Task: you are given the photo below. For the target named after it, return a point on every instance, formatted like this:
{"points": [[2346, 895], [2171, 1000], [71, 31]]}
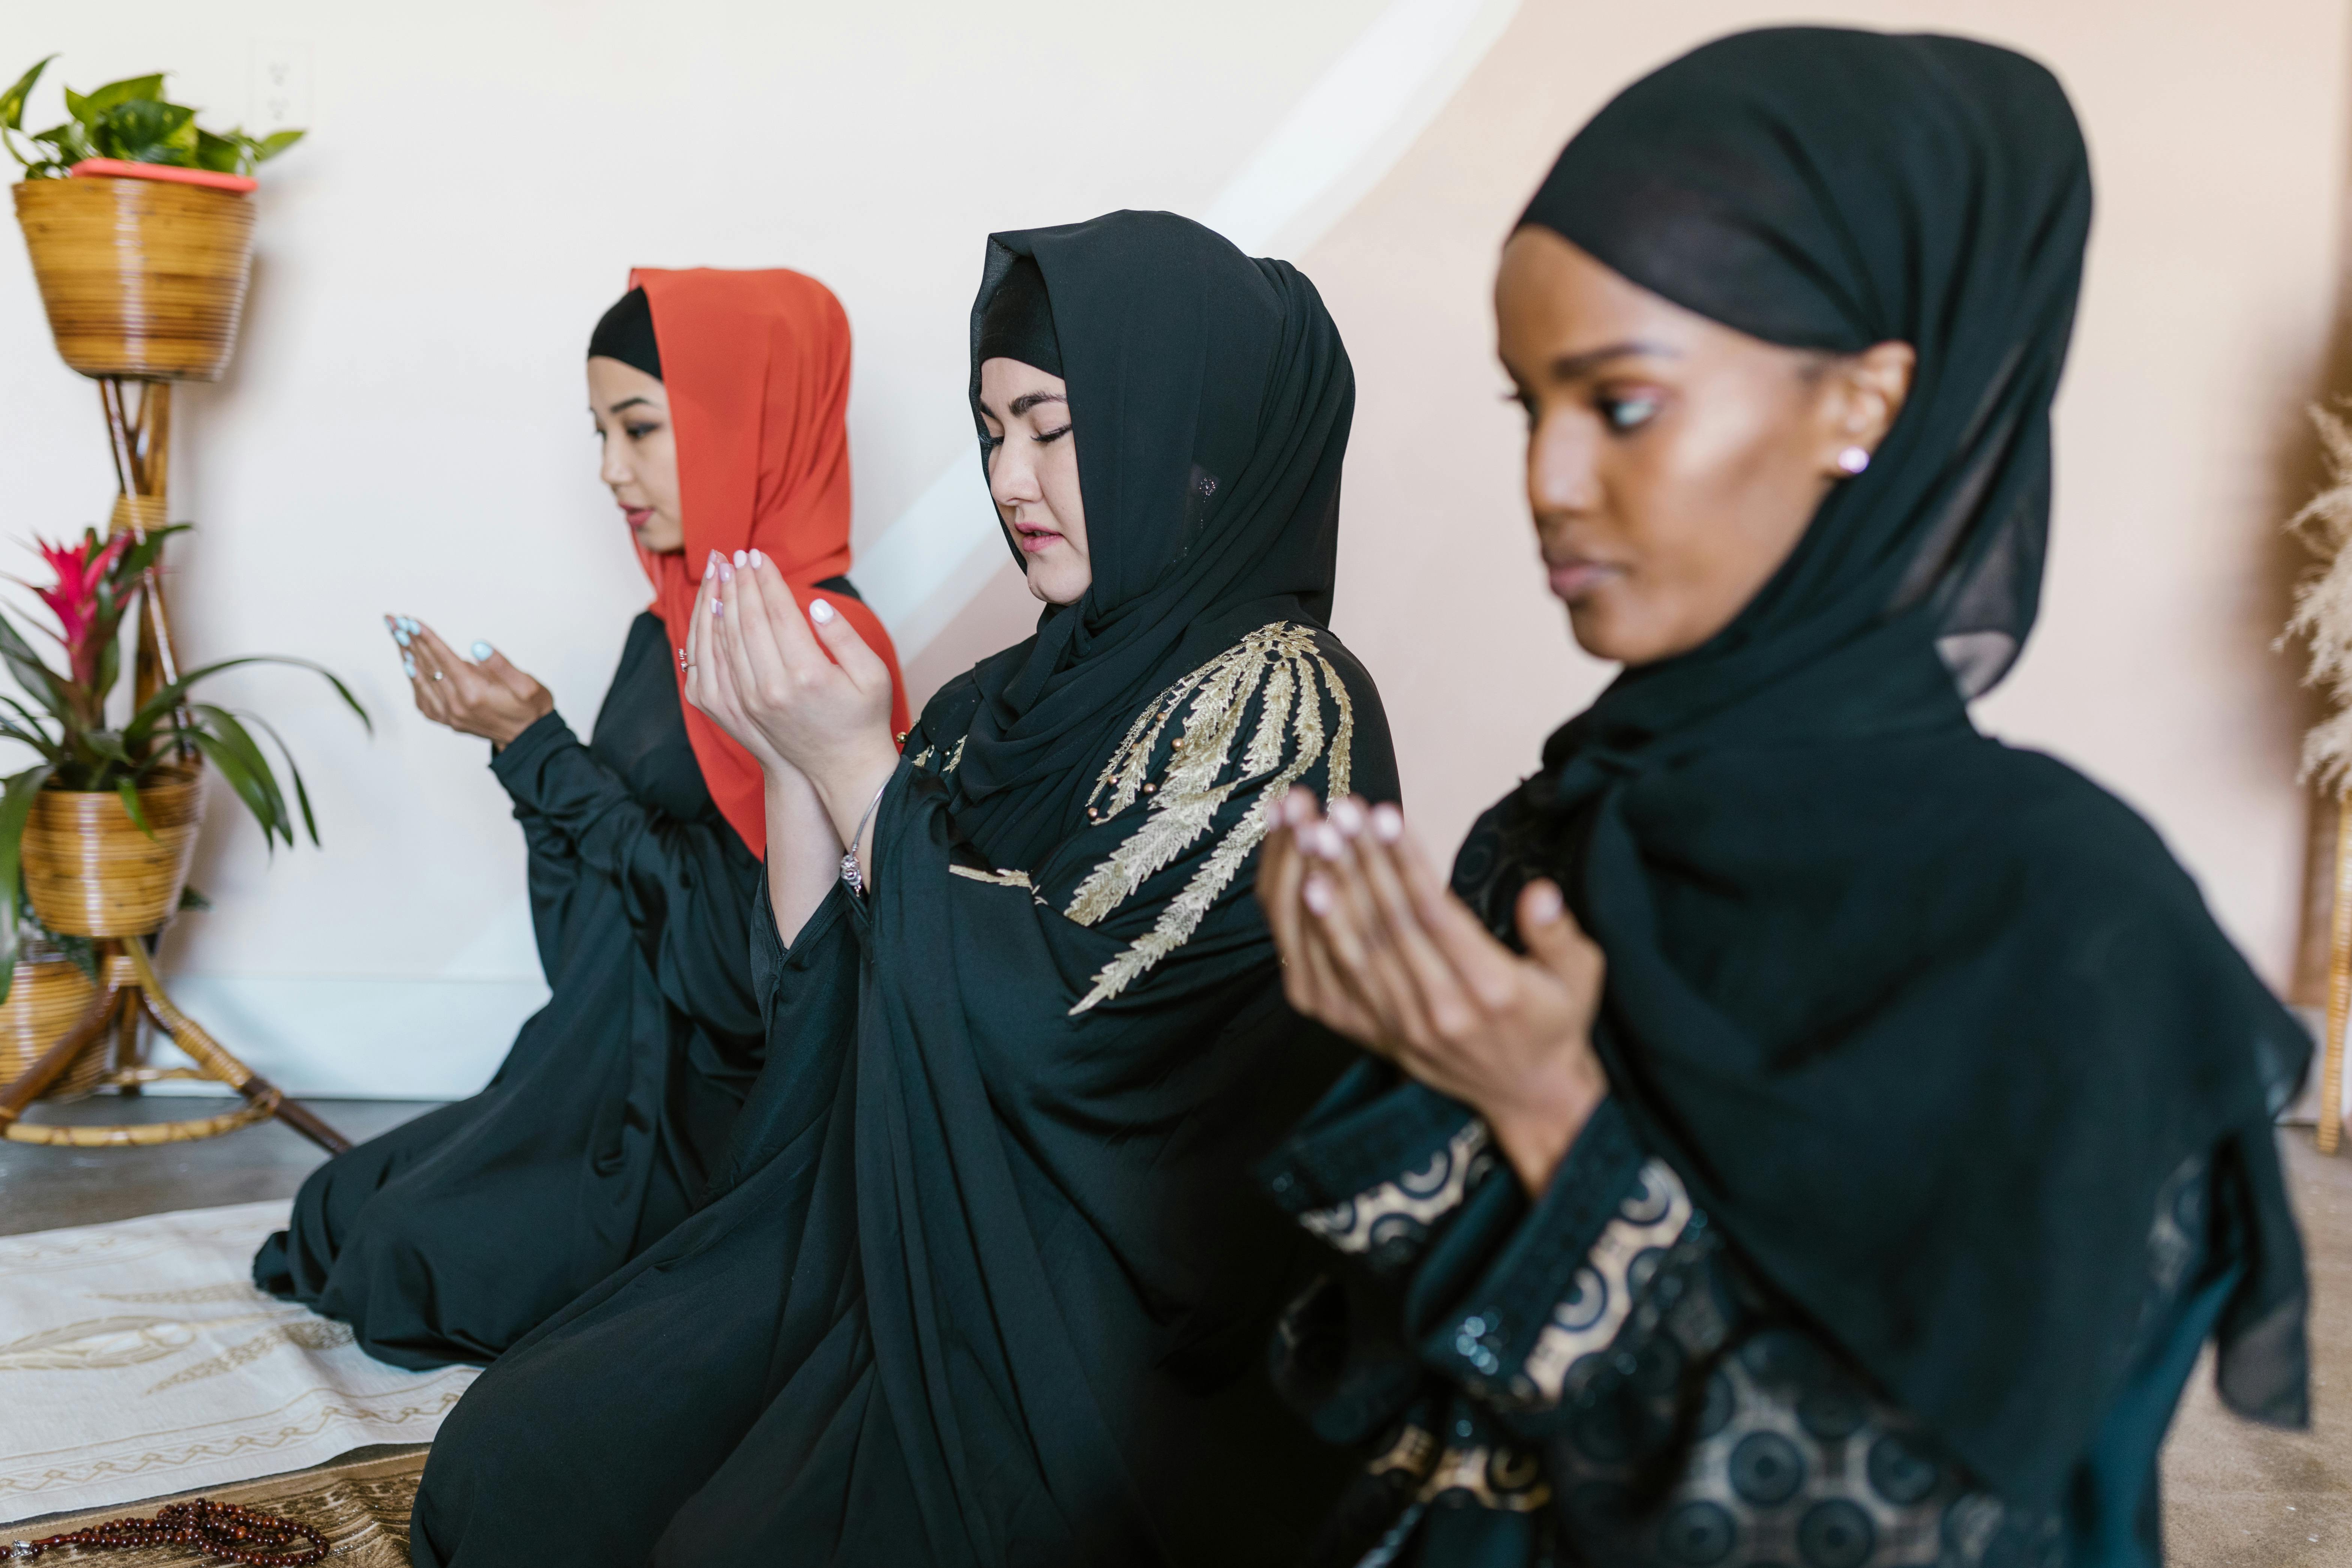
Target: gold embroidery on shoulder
{"points": [[920, 758], [1282, 663], [953, 757], [1000, 879]]}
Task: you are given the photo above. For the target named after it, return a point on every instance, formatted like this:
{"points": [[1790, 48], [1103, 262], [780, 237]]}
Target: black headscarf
{"points": [[1925, 1023], [1018, 322], [1210, 485], [626, 332]]}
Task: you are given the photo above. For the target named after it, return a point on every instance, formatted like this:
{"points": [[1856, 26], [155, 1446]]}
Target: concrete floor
{"points": [[43, 1188], [2236, 1496]]}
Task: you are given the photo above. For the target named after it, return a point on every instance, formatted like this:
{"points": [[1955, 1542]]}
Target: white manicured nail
{"points": [[740, 558], [1317, 894], [820, 612], [755, 558], [1346, 816], [481, 651], [1388, 824]]}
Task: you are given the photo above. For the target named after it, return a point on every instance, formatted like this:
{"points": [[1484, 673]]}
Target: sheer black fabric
{"points": [[448, 1238], [986, 1280], [1923, 1023]]}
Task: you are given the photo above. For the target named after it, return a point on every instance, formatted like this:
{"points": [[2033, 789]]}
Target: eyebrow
{"points": [[1028, 400], [629, 403], [1568, 367]]}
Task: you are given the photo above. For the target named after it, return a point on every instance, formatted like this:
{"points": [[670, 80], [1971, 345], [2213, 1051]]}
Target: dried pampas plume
{"points": [[2323, 606]]}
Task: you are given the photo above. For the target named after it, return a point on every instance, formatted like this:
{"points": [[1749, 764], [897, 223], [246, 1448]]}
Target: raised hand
{"points": [[817, 696], [1375, 946], [484, 696]]}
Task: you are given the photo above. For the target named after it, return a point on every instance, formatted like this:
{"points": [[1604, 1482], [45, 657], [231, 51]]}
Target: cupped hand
{"points": [[1376, 947], [710, 683], [818, 697], [486, 697]]}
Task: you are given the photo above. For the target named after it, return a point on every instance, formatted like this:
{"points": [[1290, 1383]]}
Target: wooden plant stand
{"points": [[131, 993], [131, 988], [143, 281]]}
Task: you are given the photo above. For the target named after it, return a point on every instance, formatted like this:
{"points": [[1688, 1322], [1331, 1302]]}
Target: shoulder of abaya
{"points": [[1207, 758]]}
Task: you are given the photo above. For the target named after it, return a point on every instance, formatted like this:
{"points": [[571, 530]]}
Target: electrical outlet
{"points": [[281, 87]]}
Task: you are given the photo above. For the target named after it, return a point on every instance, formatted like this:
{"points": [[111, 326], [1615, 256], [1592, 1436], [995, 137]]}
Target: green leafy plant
{"points": [[128, 120], [67, 723]]}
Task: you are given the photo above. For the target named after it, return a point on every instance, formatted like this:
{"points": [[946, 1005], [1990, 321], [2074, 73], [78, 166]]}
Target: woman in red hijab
{"points": [[719, 397]]}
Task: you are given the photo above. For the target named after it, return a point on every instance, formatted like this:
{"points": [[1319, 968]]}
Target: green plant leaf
{"points": [[232, 767], [146, 130], [11, 102], [301, 794], [130, 90], [219, 153], [73, 144], [192, 900], [225, 728], [141, 554], [128, 794], [40, 682], [109, 661], [15, 806], [31, 731], [167, 698], [277, 142]]}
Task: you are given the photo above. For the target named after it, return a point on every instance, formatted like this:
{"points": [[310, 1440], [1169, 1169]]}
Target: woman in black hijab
{"points": [[988, 1282], [1876, 1204]]}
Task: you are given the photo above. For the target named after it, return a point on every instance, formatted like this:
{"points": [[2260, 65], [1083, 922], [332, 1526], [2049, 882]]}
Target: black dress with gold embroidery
{"points": [[987, 1281], [990, 1284]]}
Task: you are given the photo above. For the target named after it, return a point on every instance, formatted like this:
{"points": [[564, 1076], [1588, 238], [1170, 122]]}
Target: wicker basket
{"points": [[141, 277], [49, 997], [90, 871]]}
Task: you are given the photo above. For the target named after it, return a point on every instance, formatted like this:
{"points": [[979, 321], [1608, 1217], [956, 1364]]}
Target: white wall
{"points": [[403, 428]]}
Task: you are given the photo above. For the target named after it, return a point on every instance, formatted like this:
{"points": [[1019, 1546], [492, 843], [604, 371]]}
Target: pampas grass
{"points": [[2323, 606]]}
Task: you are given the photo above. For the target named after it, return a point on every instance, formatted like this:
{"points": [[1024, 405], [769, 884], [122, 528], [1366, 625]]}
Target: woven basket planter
{"points": [[48, 997], [90, 871], [140, 277]]}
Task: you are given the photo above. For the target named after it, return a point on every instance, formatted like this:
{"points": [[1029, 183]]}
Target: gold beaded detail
{"points": [[1278, 668]]}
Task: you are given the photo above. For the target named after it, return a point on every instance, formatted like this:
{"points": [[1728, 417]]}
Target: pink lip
{"points": [[1035, 539], [638, 516], [1572, 580]]}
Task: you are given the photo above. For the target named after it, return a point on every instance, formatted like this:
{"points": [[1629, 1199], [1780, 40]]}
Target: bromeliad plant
{"points": [[66, 724], [129, 120]]}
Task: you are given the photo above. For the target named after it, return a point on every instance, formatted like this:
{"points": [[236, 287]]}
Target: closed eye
{"points": [[1051, 436]]}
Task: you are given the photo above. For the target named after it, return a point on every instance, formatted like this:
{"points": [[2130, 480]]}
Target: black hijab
{"points": [[626, 332], [1925, 1023], [1211, 486]]}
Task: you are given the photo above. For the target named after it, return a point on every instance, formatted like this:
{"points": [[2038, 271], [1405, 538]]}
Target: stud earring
{"points": [[1853, 459]]}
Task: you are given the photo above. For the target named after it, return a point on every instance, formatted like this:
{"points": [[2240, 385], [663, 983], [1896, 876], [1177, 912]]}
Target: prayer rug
{"points": [[137, 1359], [359, 1503]]}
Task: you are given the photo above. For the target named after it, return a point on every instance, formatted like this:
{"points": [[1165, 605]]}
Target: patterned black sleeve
{"points": [[1379, 1167]]}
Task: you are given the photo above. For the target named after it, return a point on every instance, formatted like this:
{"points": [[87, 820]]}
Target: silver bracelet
{"points": [[850, 872]]}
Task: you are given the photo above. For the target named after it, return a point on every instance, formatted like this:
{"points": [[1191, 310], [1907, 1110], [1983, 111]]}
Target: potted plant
{"points": [[101, 827], [143, 255]]}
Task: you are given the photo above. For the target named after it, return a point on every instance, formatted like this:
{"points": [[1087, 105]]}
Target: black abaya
{"points": [[449, 1237], [986, 1283], [1939, 1133]]}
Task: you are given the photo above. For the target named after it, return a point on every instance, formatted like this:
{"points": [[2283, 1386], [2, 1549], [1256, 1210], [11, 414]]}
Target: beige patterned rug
{"points": [[360, 1504], [137, 1361]]}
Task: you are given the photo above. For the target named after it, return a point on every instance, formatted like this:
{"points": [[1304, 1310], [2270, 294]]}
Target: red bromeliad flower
{"points": [[85, 610]]}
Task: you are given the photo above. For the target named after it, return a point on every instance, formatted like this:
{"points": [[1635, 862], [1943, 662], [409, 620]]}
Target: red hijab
{"points": [[756, 365]]}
